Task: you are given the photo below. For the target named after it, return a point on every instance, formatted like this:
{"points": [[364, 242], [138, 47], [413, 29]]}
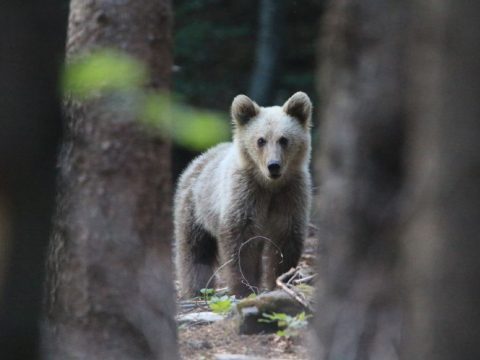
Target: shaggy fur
{"points": [[228, 196]]}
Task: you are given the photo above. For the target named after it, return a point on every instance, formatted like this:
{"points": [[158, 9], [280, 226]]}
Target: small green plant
{"points": [[289, 325], [207, 293], [221, 304]]}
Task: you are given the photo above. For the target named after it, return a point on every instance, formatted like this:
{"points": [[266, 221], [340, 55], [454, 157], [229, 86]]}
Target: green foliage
{"points": [[221, 304], [192, 128], [105, 70], [207, 129], [218, 304], [207, 293], [109, 72], [289, 325]]}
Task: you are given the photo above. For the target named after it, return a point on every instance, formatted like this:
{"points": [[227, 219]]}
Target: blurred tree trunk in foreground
{"points": [[32, 37], [271, 26], [442, 237], [360, 171], [110, 290]]}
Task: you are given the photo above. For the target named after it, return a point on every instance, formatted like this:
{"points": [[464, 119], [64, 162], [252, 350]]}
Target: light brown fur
{"points": [[228, 196]]}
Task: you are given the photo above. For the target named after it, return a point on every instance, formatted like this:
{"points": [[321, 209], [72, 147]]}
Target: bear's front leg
{"points": [[285, 254], [241, 254], [196, 254]]}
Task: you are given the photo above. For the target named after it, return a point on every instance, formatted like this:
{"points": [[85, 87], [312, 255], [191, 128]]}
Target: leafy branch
{"points": [[289, 325]]}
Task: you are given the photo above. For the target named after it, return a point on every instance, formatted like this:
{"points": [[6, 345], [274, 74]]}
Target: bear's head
{"points": [[274, 142]]}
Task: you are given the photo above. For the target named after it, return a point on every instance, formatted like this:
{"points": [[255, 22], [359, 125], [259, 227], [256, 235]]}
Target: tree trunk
{"points": [[359, 166], [32, 35], [268, 51], [110, 292], [442, 237]]}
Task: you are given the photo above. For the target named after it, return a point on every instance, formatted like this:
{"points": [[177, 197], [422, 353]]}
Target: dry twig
{"points": [[304, 280], [291, 291]]}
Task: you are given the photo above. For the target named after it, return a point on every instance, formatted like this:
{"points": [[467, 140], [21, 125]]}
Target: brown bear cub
{"points": [[245, 205]]}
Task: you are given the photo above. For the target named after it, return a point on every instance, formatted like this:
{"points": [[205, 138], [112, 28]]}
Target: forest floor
{"points": [[221, 338]]}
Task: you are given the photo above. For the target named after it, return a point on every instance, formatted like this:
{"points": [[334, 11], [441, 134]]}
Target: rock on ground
{"points": [[199, 318]]}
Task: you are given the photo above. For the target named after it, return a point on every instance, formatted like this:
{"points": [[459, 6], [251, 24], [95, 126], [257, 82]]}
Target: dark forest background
{"points": [[218, 46], [263, 49]]}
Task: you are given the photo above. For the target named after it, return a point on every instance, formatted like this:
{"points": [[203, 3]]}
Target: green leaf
{"points": [[109, 71], [220, 305], [104, 70], [198, 130], [193, 128], [269, 318], [156, 111], [207, 293], [289, 324]]}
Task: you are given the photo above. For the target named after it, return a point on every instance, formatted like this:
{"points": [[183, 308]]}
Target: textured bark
{"points": [[360, 171], [110, 291], [271, 26], [32, 35], [442, 236]]}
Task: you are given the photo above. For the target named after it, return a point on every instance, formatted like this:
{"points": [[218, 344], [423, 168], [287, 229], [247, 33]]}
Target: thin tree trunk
{"points": [[271, 26], [32, 35], [111, 294], [359, 166], [442, 238]]}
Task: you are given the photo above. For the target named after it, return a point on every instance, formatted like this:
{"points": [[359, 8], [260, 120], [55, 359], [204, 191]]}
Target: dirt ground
{"points": [[203, 342]]}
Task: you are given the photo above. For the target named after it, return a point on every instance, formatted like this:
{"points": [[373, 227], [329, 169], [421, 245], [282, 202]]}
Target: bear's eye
{"points": [[261, 142], [283, 141]]}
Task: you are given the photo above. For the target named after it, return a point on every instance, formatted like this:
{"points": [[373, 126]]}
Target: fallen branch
{"points": [[291, 291], [304, 280], [294, 276]]}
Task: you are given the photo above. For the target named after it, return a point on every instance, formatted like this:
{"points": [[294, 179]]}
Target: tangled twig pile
{"points": [[287, 282]]}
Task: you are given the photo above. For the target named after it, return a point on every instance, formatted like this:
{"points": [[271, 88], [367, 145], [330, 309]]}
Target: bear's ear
{"points": [[299, 106], [243, 109]]}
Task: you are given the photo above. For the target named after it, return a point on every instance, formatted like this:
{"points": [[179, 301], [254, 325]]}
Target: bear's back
{"points": [[207, 162], [202, 184]]}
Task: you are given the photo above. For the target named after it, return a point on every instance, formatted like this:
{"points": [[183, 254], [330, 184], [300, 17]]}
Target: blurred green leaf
{"points": [[220, 305], [192, 128], [198, 129], [289, 325], [207, 293], [103, 70], [116, 73], [156, 111]]}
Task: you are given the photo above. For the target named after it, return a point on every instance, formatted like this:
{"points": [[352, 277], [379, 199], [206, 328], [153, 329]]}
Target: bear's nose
{"points": [[274, 168]]}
